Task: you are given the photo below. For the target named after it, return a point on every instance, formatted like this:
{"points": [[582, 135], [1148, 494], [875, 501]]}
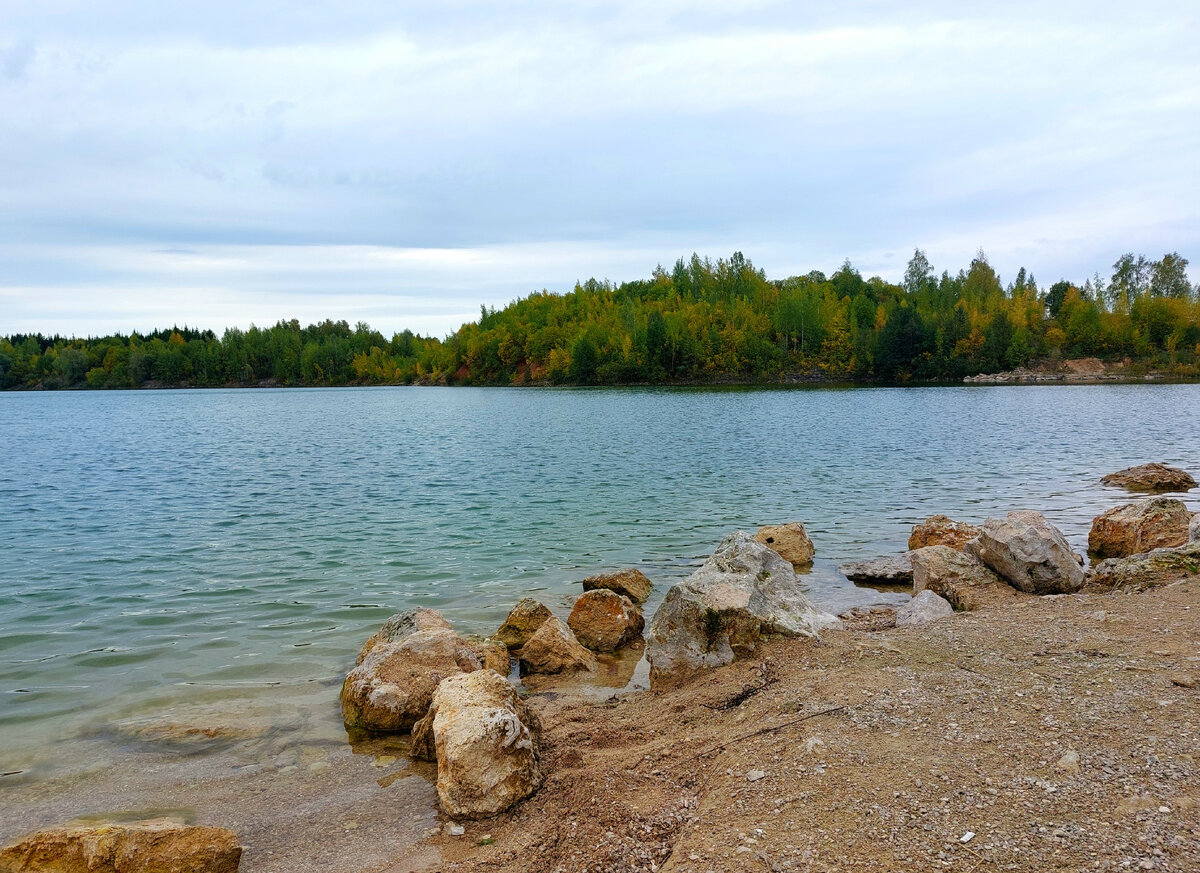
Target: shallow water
{"points": [[175, 555]]}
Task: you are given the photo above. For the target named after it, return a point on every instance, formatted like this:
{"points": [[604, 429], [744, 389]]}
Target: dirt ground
{"points": [[1062, 733]]}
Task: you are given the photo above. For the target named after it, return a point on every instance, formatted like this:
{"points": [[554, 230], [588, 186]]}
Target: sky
{"points": [[222, 164]]}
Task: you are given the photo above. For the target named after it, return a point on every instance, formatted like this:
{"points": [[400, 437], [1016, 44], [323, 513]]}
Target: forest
{"points": [[700, 321]]}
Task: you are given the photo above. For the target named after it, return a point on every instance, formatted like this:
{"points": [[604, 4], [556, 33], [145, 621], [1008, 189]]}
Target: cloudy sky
{"points": [[224, 163]]}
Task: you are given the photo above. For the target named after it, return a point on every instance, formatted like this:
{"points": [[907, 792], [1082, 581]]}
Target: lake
{"points": [[185, 553]]}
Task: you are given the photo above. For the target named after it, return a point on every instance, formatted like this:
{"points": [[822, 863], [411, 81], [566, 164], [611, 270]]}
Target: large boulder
{"points": [[1028, 552], [522, 623], [892, 570], [155, 846], [924, 607], [1160, 522], [404, 624], [604, 620], [392, 687], [941, 530], [1151, 477], [959, 577], [486, 744], [1194, 529], [790, 541], [1148, 570], [631, 583], [554, 649], [742, 593]]}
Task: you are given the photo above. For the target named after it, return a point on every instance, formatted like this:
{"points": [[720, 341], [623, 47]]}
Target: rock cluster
{"points": [[1151, 477], [1160, 522], [744, 592], [155, 846]]}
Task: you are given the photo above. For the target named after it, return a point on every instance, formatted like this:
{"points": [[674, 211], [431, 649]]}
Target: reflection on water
{"points": [[172, 555]]}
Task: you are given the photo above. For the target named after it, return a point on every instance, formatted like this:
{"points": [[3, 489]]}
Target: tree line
{"points": [[701, 320]]}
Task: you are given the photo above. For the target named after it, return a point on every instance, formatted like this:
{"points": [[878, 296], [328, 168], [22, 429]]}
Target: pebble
{"points": [[320, 766], [385, 760], [1068, 763], [454, 829], [755, 775]]}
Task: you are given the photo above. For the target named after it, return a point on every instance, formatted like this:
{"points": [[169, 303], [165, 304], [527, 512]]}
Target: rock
{"points": [[941, 530], [155, 846], [522, 623], [632, 583], [423, 746], [1029, 552], [493, 654], [925, 606], [1151, 477], [1068, 763], [1145, 571], [394, 684], [959, 577], [604, 620], [790, 541], [894, 570], [1160, 522], [741, 593], [486, 742], [1194, 529], [554, 649], [869, 618], [1184, 680], [404, 624], [755, 775]]}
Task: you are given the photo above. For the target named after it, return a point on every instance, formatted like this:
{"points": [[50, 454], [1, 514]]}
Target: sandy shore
{"points": [[1063, 733]]}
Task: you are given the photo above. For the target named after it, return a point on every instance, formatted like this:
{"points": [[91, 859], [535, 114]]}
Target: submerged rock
{"points": [[554, 649], [892, 570], [1151, 477], [941, 530], [1028, 552], [790, 541], [522, 623], [486, 744], [1160, 522], [742, 593], [631, 583], [155, 846], [924, 607], [604, 620], [1145, 571], [960, 578], [392, 687]]}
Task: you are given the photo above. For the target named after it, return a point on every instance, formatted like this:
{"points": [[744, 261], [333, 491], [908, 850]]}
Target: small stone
{"points": [[1184, 680], [385, 760], [755, 775], [454, 829], [1068, 763], [320, 766]]}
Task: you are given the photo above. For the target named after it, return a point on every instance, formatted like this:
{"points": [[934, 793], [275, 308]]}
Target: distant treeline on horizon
{"points": [[700, 321]]}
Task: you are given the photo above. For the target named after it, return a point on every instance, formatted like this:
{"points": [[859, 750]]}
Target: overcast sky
{"points": [[223, 163]]}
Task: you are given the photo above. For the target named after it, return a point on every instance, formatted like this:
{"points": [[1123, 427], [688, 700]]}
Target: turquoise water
{"points": [[217, 550]]}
